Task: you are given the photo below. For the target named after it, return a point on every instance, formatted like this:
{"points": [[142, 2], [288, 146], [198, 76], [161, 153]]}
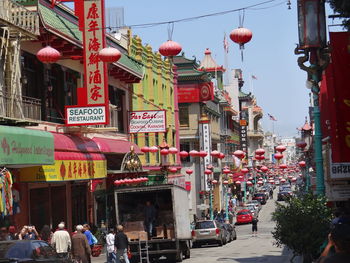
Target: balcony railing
{"points": [[14, 14], [19, 107], [255, 133]]}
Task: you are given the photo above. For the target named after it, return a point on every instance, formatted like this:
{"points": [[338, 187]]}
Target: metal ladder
{"points": [[143, 251]]}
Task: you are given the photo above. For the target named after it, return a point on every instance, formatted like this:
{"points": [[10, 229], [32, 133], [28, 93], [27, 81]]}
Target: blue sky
{"points": [[280, 88]]}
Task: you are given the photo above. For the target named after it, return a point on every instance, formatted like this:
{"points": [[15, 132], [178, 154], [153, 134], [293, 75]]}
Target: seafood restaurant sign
{"points": [[147, 121]]}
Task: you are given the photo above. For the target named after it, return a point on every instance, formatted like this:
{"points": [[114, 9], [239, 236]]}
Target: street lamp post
{"points": [[313, 47]]}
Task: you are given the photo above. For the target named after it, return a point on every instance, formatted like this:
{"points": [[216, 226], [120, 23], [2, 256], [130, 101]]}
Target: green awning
{"points": [[25, 147]]}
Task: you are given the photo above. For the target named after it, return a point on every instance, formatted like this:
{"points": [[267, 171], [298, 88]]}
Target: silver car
{"points": [[208, 232], [256, 204]]}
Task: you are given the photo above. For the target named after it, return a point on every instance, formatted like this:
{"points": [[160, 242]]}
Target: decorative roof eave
{"points": [[217, 69]]}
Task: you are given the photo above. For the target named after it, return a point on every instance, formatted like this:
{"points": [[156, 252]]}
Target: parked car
{"points": [[231, 231], [277, 182], [29, 251], [253, 210], [244, 216], [282, 196], [261, 197], [256, 203], [208, 232]]}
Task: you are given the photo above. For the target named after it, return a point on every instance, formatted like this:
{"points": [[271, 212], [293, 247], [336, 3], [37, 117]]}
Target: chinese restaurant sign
{"points": [[95, 77], [21, 146], [196, 92], [147, 121], [65, 170], [85, 115]]}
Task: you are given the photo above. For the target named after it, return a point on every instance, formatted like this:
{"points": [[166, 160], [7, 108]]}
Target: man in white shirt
{"points": [[61, 241], [111, 256]]}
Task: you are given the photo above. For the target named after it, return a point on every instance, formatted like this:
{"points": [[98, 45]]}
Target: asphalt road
{"points": [[246, 248]]}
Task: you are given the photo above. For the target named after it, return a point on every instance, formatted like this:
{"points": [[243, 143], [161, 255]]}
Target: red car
{"points": [[244, 216]]}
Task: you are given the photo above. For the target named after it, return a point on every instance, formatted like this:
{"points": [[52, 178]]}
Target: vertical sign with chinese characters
{"points": [[205, 145], [243, 135], [95, 76]]}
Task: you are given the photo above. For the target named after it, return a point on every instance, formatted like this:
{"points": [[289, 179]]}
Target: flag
{"points": [[271, 117], [225, 44], [254, 77]]}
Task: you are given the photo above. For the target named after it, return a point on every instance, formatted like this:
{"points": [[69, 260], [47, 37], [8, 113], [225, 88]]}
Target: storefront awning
{"points": [[115, 146], [73, 143], [25, 147]]}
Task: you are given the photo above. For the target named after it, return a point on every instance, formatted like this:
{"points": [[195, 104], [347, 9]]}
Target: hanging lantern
{"points": [[202, 154], [238, 182], [239, 154], [260, 152], [221, 156], [245, 170], [170, 48], [278, 156], [214, 181], [249, 183], [153, 149], [281, 148], [264, 169], [230, 175], [283, 180], [241, 36], [260, 182], [117, 182], [207, 171], [250, 178], [210, 166], [173, 150], [302, 164], [194, 153], [294, 179], [260, 157], [215, 153], [301, 144], [109, 55], [164, 152], [225, 182], [240, 177], [226, 171], [48, 55], [145, 149], [189, 171], [283, 166], [271, 181], [173, 169], [183, 154]]}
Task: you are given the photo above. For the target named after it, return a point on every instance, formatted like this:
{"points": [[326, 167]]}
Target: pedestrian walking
{"points": [[271, 193], [89, 237], [121, 243], [46, 234], [255, 226], [110, 239], [61, 241], [81, 250]]}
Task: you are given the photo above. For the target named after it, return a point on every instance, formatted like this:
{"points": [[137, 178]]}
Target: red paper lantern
{"points": [[202, 154], [189, 171], [293, 179], [214, 182], [260, 152], [164, 152], [221, 156], [240, 177], [183, 154], [145, 149], [225, 182], [170, 48], [260, 182], [109, 55], [173, 169], [241, 36], [173, 150], [153, 149], [238, 182], [302, 163], [226, 171], [210, 166], [249, 183], [215, 153], [283, 166], [194, 153], [239, 154], [301, 144], [283, 180], [260, 157], [245, 170], [207, 171], [48, 55], [281, 148], [278, 156], [264, 169]]}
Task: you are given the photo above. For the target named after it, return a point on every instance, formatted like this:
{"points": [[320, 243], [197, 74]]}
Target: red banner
{"points": [[196, 92], [335, 98]]}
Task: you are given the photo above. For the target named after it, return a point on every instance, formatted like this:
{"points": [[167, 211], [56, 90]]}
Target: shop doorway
{"points": [[79, 205]]}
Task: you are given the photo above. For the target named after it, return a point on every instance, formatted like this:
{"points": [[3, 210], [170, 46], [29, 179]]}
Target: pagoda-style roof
{"points": [[244, 96], [187, 70], [306, 126], [209, 64]]}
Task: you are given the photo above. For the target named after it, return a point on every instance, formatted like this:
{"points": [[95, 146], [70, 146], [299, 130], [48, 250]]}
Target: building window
{"points": [[184, 116]]}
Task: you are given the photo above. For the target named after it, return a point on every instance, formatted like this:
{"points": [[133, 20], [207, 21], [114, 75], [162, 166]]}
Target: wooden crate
{"points": [[170, 233], [136, 235], [160, 232], [134, 226]]}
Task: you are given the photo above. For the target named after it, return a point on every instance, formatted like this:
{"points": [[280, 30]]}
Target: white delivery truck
{"points": [[171, 238]]}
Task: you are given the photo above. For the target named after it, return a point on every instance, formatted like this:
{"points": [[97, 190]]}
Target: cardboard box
{"points": [[160, 231], [137, 235], [134, 226], [170, 233]]}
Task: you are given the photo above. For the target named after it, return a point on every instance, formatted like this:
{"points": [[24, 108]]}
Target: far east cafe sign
{"points": [[93, 102]]}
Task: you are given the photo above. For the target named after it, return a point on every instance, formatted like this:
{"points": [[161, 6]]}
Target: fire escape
{"points": [[16, 24]]}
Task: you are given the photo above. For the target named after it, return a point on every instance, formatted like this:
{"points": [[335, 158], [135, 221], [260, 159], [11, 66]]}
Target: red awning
{"points": [[115, 146], [79, 156], [73, 143]]}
